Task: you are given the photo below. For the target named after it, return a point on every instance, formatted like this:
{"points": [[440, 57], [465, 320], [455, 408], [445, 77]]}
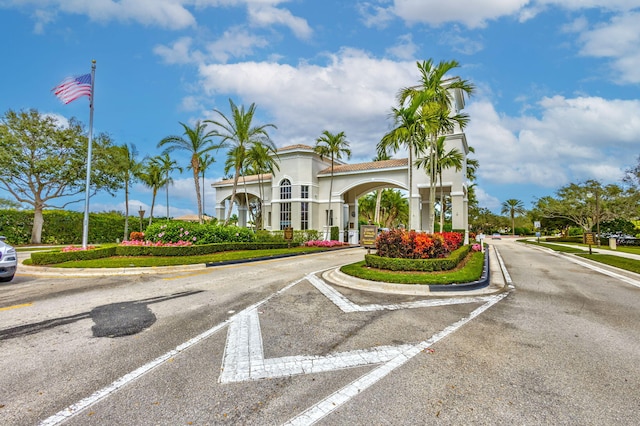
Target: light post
{"points": [[141, 213]]}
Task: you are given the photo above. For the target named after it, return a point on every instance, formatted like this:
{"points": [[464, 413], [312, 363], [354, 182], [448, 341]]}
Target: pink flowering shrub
{"points": [[476, 247], [320, 243], [76, 248], [138, 243]]}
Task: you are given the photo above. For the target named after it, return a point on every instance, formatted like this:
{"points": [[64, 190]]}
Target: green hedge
{"points": [[422, 265], [65, 227], [564, 239], [53, 257]]}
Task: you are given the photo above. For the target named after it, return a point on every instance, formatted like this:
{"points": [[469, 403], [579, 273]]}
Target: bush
{"points": [[400, 243], [422, 265], [58, 256], [174, 231], [335, 233]]}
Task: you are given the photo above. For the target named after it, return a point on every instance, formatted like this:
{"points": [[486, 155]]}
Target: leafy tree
{"points": [[261, 159], [8, 204], [432, 100], [445, 160], [381, 156], [333, 146], [153, 176], [129, 169], [394, 208], [238, 133], [632, 176], [43, 160], [589, 203], [167, 165], [512, 207], [205, 162], [196, 141]]}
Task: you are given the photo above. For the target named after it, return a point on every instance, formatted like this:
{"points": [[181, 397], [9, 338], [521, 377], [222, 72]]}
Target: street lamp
{"points": [[141, 213]]}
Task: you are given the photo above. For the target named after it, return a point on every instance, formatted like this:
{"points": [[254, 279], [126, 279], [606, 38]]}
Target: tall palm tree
{"points": [[381, 156], [205, 162], [333, 146], [130, 169], [513, 207], [153, 177], [167, 165], [434, 94], [395, 208], [446, 160], [239, 133], [407, 133], [261, 159], [196, 141]]}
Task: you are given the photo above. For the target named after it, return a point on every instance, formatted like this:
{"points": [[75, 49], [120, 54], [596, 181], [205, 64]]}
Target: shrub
{"points": [[421, 265], [403, 244], [335, 233], [136, 236]]}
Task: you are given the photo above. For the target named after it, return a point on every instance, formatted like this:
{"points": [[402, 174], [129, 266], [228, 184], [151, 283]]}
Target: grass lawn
{"points": [[608, 259], [470, 271], [150, 261]]}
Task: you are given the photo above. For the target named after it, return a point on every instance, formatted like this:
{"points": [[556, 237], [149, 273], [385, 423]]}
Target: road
{"points": [[271, 343]]}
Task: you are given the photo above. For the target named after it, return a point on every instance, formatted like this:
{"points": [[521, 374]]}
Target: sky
{"points": [[557, 81]]}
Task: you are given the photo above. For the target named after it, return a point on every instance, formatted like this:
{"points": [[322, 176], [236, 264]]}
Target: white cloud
{"points": [[472, 14], [267, 15], [572, 140], [235, 43], [352, 92], [618, 40], [405, 49]]}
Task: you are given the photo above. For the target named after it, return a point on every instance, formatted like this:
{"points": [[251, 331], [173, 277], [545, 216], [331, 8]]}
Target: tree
{"points": [[445, 160], [44, 160], [333, 146], [512, 207], [167, 165], [238, 133], [589, 203], [196, 141], [394, 208], [205, 162], [261, 159], [8, 204], [409, 133], [432, 101], [381, 156], [153, 176], [129, 169]]}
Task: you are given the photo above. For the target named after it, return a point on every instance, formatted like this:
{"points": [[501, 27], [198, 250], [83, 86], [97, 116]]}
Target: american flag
{"points": [[72, 88]]}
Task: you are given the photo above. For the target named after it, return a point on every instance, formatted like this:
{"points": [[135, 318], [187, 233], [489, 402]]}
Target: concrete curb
{"points": [[488, 283]]}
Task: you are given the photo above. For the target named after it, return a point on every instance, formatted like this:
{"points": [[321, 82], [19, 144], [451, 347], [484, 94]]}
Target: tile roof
{"points": [[294, 147], [248, 179], [372, 165]]}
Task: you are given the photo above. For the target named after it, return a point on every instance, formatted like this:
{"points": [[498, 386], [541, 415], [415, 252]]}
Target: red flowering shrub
{"points": [[399, 243]]}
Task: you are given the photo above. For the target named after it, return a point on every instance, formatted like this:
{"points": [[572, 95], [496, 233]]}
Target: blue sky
{"points": [[557, 97]]}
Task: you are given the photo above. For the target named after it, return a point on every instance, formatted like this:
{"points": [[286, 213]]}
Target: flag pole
{"points": [[85, 224]]}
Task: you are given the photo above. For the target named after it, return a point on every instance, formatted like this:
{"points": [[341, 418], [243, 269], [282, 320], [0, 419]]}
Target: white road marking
{"points": [[74, 409], [612, 274], [338, 398]]}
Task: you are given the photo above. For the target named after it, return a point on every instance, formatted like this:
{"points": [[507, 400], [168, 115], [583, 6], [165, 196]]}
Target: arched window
{"points": [[285, 207]]}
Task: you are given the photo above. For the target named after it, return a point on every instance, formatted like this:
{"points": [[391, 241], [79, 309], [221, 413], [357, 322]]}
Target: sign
{"points": [[536, 224], [368, 235], [590, 238], [288, 233]]}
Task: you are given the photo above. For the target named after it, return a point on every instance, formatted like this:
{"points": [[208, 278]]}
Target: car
{"points": [[8, 261], [496, 236]]}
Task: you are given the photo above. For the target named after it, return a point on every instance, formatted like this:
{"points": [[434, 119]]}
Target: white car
{"points": [[8, 261]]}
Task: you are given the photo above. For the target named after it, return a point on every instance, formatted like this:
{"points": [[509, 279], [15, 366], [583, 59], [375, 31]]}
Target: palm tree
{"points": [[434, 95], [381, 156], [239, 134], [261, 159], [129, 169], [205, 162], [153, 177], [513, 207], [408, 133], [196, 141], [446, 160], [395, 208], [333, 146], [167, 165]]}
